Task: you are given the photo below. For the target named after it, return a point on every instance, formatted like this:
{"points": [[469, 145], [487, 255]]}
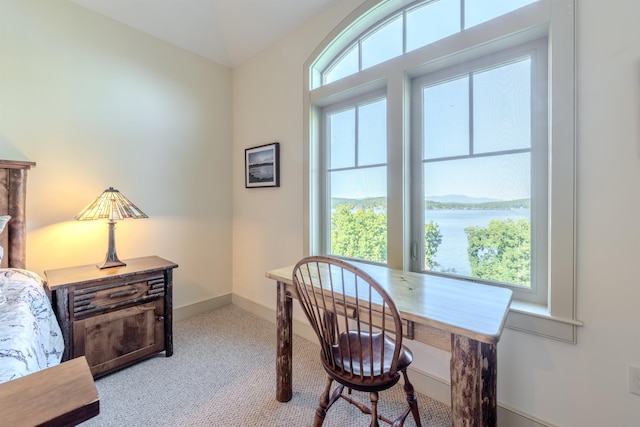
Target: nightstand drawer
{"points": [[107, 296], [119, 337]]}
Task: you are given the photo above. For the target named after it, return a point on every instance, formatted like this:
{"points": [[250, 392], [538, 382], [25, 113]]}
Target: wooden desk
{"points": [[458, 316], [63, 395]]}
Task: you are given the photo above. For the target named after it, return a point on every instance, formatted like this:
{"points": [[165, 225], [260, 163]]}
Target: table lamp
{"points": [[111, 204]]}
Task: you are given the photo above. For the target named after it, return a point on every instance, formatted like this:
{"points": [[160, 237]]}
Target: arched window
{"points": [[410, 28], [441, 140]]}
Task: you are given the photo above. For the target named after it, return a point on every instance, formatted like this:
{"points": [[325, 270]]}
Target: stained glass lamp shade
{"points": [[111, 205]]}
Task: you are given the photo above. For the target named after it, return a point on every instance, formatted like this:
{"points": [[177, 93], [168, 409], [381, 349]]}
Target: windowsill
{"points": [[536, 319]]}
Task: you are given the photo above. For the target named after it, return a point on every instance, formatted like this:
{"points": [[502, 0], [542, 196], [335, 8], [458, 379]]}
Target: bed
{"points": [[30, 337]]}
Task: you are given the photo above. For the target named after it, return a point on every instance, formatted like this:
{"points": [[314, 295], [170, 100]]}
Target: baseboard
{"points": [[201, 307], [299, 328], [440, 390], [425, 383], [434, 387], [512, 417]]}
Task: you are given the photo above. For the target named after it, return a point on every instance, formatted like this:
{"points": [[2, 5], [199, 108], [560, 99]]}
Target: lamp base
{"points": [[111, 260], [108, 263]]}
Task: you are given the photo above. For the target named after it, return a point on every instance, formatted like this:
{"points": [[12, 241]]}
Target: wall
{"points": [[553, 382], [267, 107], [96, 104]]}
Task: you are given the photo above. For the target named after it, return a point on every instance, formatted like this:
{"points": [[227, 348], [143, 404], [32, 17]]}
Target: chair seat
{"points": [[354, 359]]}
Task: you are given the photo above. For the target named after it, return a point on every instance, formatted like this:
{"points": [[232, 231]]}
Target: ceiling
{"points": [[226, 31]]}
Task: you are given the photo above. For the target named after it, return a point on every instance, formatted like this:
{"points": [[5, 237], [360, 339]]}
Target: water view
{"points": [[452, 252], [261, 173]]}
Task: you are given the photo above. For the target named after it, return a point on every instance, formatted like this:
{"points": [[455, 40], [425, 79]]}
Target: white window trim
{"points": [[555, 320], [538, 292], [325, 228]]}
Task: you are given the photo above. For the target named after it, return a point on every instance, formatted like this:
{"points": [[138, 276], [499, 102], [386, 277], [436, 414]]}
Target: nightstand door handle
{"points": [[159, 318], [122, 294]]}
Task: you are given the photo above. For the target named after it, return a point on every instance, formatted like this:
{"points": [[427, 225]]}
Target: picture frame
{"points": [[262, 166]]}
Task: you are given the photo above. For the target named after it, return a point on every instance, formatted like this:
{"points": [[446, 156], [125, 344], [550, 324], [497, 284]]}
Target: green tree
{"points": [[501, 251], [432, 239], [359, 233]]}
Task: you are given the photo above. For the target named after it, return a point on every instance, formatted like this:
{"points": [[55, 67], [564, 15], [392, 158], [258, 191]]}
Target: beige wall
{"points": [[96, 104], [562, 384]]}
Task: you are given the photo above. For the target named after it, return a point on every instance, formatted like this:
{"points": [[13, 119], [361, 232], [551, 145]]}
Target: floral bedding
{"points": [[30, 337]]}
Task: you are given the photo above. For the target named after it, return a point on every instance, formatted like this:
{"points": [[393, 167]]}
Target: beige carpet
{"points": [[222, 373]]}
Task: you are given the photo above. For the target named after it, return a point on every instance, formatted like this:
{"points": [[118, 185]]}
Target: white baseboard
{"points": [[201, 307], [432, 386], [509, 416]]}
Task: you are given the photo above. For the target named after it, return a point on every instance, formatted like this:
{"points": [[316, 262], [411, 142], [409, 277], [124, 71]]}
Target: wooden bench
{"points": [[63, 395]]}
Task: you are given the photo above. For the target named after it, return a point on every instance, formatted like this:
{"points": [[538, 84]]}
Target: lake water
{"points": [[261, 173], [452, 252]]}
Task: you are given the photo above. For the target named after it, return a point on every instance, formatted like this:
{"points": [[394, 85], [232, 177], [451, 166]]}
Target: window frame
{"points": [[324, 149], [537, 50], [552, 18]]}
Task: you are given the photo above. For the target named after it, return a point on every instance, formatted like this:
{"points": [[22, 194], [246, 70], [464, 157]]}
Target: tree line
{"points": [[500, 251], [498, 205]]}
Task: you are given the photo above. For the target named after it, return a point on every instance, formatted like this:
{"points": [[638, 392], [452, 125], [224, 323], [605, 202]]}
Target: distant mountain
{"points": [[451, 202], [458, 198]]}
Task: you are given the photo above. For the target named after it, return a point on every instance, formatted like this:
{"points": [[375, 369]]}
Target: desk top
{"points": [[455, 306]]}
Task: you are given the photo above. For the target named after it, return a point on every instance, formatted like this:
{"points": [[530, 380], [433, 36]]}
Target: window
{"points": [[448, 148], [411, 28], [356, 179], [479, 147]]}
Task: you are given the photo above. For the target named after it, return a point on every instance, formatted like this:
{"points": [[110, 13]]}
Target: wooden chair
{"points": [[360, 334]]}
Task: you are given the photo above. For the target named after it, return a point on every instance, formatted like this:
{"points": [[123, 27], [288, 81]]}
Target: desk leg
{"points": [[283, 360], [473, 383]]}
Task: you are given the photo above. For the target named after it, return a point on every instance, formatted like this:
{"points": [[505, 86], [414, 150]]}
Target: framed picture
{"points": [[262, 166]]}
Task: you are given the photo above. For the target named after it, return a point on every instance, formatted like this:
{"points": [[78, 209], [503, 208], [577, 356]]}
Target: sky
{"points": [[262, 156], [501, 116]]}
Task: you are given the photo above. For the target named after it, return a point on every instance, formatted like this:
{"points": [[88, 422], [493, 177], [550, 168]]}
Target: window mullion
{"points": [[356, 136], [478, 155], [470, 107], [404, 32]]}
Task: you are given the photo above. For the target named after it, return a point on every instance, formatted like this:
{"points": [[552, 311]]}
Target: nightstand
{"points": [[114, 316]]}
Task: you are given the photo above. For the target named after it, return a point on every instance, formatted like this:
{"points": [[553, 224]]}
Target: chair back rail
{"points": [[342, 301]]}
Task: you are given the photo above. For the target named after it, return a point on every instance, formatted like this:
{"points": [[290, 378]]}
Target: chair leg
{"points": [[374, 409], [411, 398], [321, 412]]}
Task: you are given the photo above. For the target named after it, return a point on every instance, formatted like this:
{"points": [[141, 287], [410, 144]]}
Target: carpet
{"points": [[222, 373]]}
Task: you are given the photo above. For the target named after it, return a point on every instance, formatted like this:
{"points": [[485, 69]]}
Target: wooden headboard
{"points": [[13, 196]]}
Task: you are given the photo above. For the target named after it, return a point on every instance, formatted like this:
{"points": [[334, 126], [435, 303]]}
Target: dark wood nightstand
{"points": [[114, 316]]}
